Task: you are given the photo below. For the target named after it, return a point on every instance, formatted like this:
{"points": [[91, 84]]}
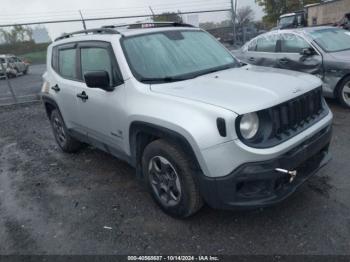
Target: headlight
{"points": [[249, 125]]}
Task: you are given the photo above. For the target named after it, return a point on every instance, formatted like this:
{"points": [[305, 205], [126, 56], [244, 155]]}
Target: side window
{"points": [[252, 46], [291, 43], [96, 59], [266, 43], [54, 59], [67, 63]]}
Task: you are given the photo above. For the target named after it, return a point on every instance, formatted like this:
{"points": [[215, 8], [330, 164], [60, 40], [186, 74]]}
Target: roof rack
{"points": [[89, 31], [149, 25]]}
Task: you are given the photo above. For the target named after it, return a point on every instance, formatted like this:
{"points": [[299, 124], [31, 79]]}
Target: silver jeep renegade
{"points": [[197, 126]]}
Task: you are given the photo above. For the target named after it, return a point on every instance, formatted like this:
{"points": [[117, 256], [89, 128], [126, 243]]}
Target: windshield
{"points": [[175, 55], [287, 20], [332, 39]]}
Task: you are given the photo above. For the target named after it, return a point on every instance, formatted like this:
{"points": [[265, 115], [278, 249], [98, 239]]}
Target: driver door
{"points": [[101, 112], [290, 55]]}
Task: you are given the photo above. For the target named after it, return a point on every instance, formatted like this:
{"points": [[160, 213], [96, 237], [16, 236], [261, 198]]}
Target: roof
{"points": [[309, 29], [129, 29], [6, 55], [302, 29], [132, 32]]}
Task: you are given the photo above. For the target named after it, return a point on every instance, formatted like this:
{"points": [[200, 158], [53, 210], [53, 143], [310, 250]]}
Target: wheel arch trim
{"points": [[48, 100], [177, 135]]}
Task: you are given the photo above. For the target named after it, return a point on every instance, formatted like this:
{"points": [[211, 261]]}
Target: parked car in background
{"points": [[13, 66], [321, 51]]}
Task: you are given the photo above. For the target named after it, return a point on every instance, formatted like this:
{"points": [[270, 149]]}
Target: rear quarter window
{"points": [[267, 43]]}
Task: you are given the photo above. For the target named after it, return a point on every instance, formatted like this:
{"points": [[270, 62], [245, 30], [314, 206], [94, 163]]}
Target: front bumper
{"points": [[257, 184]]}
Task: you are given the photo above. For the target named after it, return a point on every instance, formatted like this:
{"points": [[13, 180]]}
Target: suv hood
{"points": [[242, 90]]}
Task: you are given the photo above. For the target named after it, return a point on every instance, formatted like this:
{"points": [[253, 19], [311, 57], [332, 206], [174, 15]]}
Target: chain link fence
{"points": [[23, 46]]}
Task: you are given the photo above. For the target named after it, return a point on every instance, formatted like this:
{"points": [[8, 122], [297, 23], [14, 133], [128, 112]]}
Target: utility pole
{"points": [[153, 15], [233, 9], [82, 19]]}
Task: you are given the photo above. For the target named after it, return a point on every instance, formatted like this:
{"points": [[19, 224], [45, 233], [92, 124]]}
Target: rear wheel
{"points": [[170, 177], [344, 92], [15, 73], [66, 142]]}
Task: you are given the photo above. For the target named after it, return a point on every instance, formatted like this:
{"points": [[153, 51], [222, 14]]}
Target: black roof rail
{"points": [[149, 25], [89, 31]]}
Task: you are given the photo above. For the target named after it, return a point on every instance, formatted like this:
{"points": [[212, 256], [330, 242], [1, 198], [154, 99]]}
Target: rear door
{"points": [[261, 51], [290, 55], [64, 82]]}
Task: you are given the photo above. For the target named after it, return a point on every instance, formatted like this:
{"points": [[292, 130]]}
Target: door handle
{"points": [[284, 61], [56, 88], [83, 96]]}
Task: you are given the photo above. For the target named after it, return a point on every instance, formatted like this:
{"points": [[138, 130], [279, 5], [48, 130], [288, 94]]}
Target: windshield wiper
{"points": [[166, 79], [213, 70], [169, 79]]}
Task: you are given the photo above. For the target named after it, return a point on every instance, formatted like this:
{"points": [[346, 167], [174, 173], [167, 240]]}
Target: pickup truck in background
{"points": [[335, 13]]}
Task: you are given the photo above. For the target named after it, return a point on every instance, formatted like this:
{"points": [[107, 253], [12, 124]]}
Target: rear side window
{"points": [[291, 43], [252, 46], [67, 63], [96, 59], [266, 44]]}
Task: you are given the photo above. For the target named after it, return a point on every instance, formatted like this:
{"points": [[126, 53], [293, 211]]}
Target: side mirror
{"points": [[308, 52], [98, 79]]}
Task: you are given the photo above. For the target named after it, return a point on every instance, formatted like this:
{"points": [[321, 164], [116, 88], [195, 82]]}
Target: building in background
{"points": [[324, 13]]}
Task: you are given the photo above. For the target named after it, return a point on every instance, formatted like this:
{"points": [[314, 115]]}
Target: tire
{"points": [[343, 92], [15, 73], [169, 174], [26, 71], [66, 142]]}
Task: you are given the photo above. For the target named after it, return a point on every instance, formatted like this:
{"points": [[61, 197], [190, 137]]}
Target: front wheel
{"points": [[344, 92], [170, 176]]}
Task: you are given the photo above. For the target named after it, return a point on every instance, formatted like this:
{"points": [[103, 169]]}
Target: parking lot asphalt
{"points": [[25, 87], [91, 203]]}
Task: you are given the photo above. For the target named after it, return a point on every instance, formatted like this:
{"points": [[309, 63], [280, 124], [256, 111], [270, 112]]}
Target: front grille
{"points": [[289, 117], [283, 121]]}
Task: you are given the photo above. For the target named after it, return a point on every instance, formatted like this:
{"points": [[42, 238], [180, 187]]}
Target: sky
{"points": [[20, 11]]}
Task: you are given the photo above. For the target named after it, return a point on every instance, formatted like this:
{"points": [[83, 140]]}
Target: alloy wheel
{"points": [[165, 181], [59, 131], [346, 93]]}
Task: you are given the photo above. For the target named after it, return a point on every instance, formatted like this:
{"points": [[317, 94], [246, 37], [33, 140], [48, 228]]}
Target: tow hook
{"points": [[292, 174]]}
